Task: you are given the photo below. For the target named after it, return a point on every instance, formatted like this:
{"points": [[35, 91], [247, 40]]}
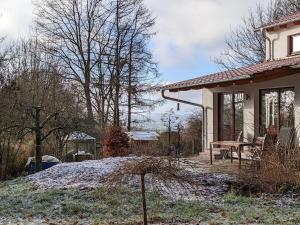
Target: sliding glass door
{"points": [[231, 107], [276, 110]]}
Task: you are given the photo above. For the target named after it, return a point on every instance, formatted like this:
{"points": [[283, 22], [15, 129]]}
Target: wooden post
{"points": [[144, 198], [77, 149], [231, 158], [193, 147], [38, 140], [210, 150], [66, 151], [240, 156]]}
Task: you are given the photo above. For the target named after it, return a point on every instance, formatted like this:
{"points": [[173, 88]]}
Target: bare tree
{"points": [[166, 171], [286, 7], [170, 121], [40, 101], [246, 46], [71, 28], [102, 46], [141, 69]]}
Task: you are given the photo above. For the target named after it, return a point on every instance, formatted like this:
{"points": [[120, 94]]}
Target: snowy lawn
{"points": [[73, 194], [90, 174]]}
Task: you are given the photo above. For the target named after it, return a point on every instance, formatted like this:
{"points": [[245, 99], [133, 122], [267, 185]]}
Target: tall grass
{"points": [[277, 170]]}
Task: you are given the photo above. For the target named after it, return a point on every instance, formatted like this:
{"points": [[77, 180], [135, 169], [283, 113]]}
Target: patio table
{"points": [[230, 144]]}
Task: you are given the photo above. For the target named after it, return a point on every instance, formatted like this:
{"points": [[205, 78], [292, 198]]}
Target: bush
{"points": [[116, 143], [276, 172]]}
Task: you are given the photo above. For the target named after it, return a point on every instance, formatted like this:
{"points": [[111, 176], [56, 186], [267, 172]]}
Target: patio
{"points": [[219, 166]]}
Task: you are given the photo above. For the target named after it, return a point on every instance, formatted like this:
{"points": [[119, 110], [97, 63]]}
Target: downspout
{"points": [[270, 44], [273, 41], [193, 104]]}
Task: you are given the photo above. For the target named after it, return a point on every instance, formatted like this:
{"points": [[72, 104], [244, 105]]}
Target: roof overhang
{"points": [[241, 80], [280, 26], [207, 84], [283, 22]]}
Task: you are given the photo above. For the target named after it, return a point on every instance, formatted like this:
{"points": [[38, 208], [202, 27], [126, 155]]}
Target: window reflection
{"points": [[231, 115], [277, 110]]}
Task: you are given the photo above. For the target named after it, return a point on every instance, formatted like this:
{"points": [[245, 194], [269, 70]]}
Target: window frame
{"points": [[233, 113], [279, 91], [291, 45]]}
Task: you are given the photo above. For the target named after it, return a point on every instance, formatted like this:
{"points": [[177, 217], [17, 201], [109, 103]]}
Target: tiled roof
{"points": [[283, 20], [236, 74]]}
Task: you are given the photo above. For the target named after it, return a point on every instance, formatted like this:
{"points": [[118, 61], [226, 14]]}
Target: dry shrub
{"points": [[147, 149], [116, 143], [276, 172], [165, 172]]}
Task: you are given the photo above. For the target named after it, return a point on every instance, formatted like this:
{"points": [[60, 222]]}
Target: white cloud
{"points": [[187, 26], [184, 26], [15, 18]]}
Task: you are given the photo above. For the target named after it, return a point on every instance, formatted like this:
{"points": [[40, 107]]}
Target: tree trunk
{"points": [[169, 136], [118, 71], [87, 94], [129, 88], [116, 101], [7, 158], [2, 158], [144, 199], [38, 141], [129, 112], [38, 153]]}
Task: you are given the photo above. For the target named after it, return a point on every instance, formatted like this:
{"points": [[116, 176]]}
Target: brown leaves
{"points": [[162, 171]]}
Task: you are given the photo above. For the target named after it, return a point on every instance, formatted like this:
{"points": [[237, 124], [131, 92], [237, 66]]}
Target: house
{"points": [[256, 99]]}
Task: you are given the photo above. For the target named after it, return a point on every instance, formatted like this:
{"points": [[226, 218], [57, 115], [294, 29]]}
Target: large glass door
{"points": [[276, 110], [231, 119]]}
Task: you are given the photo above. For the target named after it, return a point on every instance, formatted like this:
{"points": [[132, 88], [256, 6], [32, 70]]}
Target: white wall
{"points": [[208, 103], [280, 38], [251, 107]]}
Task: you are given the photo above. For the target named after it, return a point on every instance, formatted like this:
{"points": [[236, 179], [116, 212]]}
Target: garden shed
{"points": [[80, 146]]}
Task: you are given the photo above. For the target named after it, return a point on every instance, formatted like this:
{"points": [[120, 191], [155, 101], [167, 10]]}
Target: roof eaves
{"points": [[180, 86], [279, 23]]}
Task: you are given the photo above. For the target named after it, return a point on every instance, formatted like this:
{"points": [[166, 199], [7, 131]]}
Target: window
{"points": [[294, 44], [277, 110], [231, 118]]}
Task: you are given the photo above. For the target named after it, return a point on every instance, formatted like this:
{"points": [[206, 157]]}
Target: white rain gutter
{"points": [[193, 104]]}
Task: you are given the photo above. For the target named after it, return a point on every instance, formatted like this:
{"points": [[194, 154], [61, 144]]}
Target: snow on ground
{"points": [[85, 174], [88, 174]]}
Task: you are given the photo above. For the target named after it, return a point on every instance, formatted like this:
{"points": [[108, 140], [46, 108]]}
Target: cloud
{"points": [[15, 18], [186, 27], [189, 33]]}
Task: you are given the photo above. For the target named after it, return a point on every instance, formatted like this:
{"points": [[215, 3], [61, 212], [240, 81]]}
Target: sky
{"points": [[190, 34]]}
